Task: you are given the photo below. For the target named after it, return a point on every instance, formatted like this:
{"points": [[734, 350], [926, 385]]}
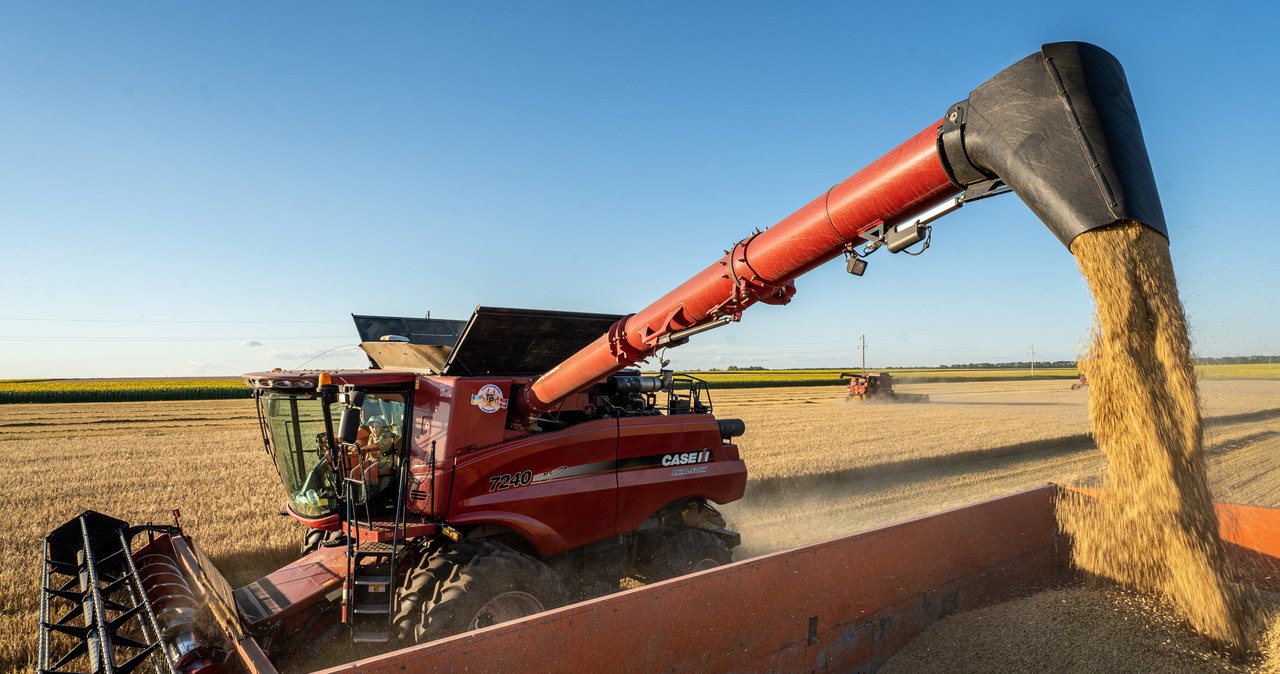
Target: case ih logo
{"points": [[686, 458], [489, 399]]}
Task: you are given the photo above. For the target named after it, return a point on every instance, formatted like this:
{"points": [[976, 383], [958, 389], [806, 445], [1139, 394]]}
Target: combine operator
{"points": [[377, 442]]}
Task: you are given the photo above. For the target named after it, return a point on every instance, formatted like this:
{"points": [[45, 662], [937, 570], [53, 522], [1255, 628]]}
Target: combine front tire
{"points": [[474, 584], [314, 538]]}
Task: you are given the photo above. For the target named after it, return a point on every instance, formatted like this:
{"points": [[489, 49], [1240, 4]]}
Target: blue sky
{"points": [[213, 188]]}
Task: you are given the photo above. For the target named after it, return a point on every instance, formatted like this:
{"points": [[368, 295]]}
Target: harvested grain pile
{"points": [[1155, 530], [1073, 630]]}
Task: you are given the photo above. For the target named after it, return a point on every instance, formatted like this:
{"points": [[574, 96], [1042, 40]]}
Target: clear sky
{"points": [[213, 188]]}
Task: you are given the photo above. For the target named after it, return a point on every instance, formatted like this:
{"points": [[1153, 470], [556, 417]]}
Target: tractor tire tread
{"points": [[463, 572], [685, 551]]}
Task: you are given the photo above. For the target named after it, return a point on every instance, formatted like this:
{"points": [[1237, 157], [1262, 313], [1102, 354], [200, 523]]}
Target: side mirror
{"points": [[349, 425]]}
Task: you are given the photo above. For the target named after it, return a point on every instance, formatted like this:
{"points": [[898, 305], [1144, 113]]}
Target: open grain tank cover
{"points": [[522, 342], [495, 342], [430, 341]]}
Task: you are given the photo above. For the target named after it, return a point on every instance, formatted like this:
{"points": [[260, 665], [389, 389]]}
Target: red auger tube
{"points": [[902, 183]]}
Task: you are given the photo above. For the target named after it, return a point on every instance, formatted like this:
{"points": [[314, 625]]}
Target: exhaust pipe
{"points": [[1060, 129]]}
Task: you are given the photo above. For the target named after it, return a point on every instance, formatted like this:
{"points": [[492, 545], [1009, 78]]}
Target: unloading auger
{"points": [[1058, 128]]}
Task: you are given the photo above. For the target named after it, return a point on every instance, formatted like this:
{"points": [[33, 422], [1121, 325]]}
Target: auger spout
{"points": [[1059, 128]]}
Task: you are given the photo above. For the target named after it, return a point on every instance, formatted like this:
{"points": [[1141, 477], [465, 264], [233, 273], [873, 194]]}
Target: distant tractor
{"points": [[1081, 383], [878, 386]]}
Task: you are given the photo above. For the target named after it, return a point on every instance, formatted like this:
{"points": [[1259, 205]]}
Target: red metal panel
{"points": [[646, 485], [290, 594], [865, 595], [433, 403], [1252, 535], [544, 483], [213, 588], [1254, 527], [478, 415]]}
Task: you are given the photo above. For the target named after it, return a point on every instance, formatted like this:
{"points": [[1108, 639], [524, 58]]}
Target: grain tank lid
{"points": [[424, 331], [431, 341], [522, 342]]}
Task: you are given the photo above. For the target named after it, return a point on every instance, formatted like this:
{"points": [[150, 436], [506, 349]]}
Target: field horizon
{"points": [[123, 389]]}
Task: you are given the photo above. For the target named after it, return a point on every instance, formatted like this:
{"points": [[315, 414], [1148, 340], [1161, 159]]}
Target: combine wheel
{"points": [[699, 515], [685, 551], [421, 585], [314, 538], [474, 584]]}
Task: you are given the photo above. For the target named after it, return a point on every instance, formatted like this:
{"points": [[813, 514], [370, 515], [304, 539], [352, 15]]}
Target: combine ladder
{"points": [[368, 595]]}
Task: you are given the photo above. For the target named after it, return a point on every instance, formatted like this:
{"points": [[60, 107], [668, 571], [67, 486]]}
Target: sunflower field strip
{"points": [[118, 390]]}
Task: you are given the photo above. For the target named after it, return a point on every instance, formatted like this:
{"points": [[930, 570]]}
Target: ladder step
{"points": [[370, 636], [364, 579], [372, 549], [371, 609]]}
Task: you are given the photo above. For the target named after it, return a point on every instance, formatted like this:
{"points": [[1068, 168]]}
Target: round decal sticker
{"points": [[489, 399]]}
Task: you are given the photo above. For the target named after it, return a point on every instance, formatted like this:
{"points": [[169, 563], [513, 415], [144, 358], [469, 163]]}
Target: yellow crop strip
{"points": [[1244, 371], [118, 390], [771, 378]]}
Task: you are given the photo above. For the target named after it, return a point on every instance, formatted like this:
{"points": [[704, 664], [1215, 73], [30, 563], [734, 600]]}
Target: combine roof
{"points": [[304, 380]]}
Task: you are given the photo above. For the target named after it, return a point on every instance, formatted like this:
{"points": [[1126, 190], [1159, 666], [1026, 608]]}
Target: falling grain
{"points": [[1155, 530]]}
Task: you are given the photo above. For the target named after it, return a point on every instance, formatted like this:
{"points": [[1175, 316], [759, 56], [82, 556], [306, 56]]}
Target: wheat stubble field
{"points": [[821, 467]]}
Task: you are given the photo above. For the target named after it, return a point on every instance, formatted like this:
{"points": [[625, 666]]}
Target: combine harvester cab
{"points": [[483, 470]]}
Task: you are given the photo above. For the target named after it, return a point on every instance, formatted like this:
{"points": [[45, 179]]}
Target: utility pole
{"points": [[1033, 360], [863, 347]]}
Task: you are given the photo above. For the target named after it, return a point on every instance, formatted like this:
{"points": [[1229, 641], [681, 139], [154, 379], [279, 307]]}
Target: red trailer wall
{"points": [[864, 596], [846, 605]]}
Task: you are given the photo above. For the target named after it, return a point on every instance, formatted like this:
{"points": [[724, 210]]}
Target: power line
{"points": [[140, 320], [729, 352], [7, 338]]}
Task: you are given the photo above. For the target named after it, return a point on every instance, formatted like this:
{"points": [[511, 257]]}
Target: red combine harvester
{"points": [[486, 470], [878, 386]]}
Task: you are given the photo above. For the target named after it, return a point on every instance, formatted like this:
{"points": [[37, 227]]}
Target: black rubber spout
{"points": [[1060, 129]]}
